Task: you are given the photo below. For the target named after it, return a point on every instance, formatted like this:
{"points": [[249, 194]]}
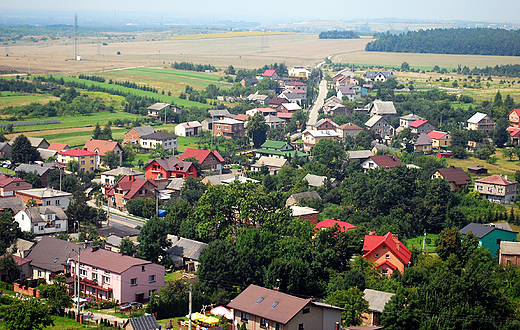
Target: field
{"points": [[417, 243], [9, 99], [503, 165]]}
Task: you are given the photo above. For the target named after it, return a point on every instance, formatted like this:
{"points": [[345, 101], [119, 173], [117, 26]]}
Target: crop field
{"points": [[8, 99]]}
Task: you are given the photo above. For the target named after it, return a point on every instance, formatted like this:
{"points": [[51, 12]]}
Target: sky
{"points": [[269, 11]]}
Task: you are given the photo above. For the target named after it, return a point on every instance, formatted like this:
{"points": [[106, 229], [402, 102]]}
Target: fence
{"points": [[27, 123]]}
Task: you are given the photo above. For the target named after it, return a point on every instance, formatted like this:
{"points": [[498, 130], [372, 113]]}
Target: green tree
{"points": [[57, 296], [22, 151], [127, 246], [106, 134], [9, 267], [128, 153], [352, 300], [330, 153], [405, 66], [9, 229], [192, 190], [509, 103], [158, 152], [96, 133], [111, 159], [497, 103], [196, 164], [501, 134], [257, 129], [509, 153], [28, 315], [364, 139], [72, 166], [152, 240]]}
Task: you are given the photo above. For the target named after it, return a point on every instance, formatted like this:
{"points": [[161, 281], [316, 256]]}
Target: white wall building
{"points": [[42, 220]]}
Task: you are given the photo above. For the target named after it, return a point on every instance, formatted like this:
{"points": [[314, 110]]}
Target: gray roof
{"points": [[46, 153], [325, 120], [35, 141], [219, 113], [306, 194], [271, 161], [114, 240], [158, 106], [146, 322], [377, 299], [501, 225], [411, 117], [511, 248], [159, 136], [144, 130], [29, 168], [185, 248], [386, 74], [217, 179], [359, 154], [123, 171], [34, 213], [175, 184], [45, 193], [4, 145], [119, 231], [51, 253], [22, 245], [476, 118], [273, 119], [15, 204], [422, 139], [479, 230], [316, 180], [373, 120], [383, 107]]}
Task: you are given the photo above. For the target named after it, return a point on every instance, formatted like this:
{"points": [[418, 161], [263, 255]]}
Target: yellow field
{"points": [[228, 35]]}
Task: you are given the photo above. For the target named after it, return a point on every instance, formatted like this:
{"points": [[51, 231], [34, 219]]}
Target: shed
{"points": [[477, 170]]}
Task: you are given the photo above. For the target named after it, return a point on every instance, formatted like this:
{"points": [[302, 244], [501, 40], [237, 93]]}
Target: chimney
{"points": [[371, 233]]}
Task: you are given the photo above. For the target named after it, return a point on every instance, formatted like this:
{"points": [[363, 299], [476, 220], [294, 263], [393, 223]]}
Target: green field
{"points": [[503, 166], [10, 99], [417, 243], [178, 73]]}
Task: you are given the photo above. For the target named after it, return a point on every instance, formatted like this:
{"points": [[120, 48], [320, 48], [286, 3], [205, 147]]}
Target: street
{"points": [[313, 114]]}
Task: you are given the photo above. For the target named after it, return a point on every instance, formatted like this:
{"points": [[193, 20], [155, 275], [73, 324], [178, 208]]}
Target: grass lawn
{"points": [[10, 99], [61, 323], [417, 243], [503, 166], [173, 276]]}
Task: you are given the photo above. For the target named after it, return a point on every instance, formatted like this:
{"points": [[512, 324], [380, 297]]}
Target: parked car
{"points": [[130, 305]]}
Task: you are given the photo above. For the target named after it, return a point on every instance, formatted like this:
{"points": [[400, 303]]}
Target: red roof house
{"points": [[10, 184], [210, 160], [344, 226], [171, 167], [514, 117], [271, 74], [514, 132], [422, 126], [101, 147], [128, 187], [384, 161], [387, 253]]}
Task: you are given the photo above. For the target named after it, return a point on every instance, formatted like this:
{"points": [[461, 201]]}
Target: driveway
{"points": [[313, 115]]}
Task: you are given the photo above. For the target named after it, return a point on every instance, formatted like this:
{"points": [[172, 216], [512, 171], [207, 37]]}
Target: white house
{"points": [[191, 128], [42, 220], [46, 197], [168, 141]]}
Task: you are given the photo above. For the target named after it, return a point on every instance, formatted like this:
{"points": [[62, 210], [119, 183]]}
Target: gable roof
{"points": [[242, 117], [481, 230], [476, 118], [35, 141], [384, 107], [143, 130], [291, 106], [191, 124], [306, 194], [131, 185], [46, 153], [119, 231], [169, 164], [344, 226], [511, 248], [359, 154], [418, 123], [45, 193], [322, 133], [51, 253], [158, 106], [14, 204], [496, 179], [184, 247], [29, 168], [123, 171], [422, 140], [437, 135], [145, 322], [159, 136], [76, 153], [275, 305], [102, 146], [517, 111], [349, 126], [377, 299], [373, 120], [273, 144], [277, 100], [112, 261], [410, 117], [271, 161], [6, 179], [455, 175], [200, 154], [316, 180], [34, 213], [386, 161], [400, 251], [219, 113], [386, 74], [58, 146], [325, 120], [284, 115], [273, 119], [269, 73]]}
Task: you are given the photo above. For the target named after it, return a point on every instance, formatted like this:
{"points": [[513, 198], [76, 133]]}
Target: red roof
{"points": [[436, 135], [386, 161], [372, 242], [496, 179], [517, 111], [269, 73], [102, 146], [331, 223], [514, 131], [7, 179], [268, 110], [131, 185], [418, 123], [284, 115], [77, 153], [57, 146], [200, 155], [241, 117]]}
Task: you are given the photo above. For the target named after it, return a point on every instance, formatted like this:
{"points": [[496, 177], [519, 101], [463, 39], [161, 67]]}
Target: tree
{"points": [[106, 134], [22, 151], [128, 153], [353, 302], [364, 139], [330, 153], [80, 211], [127, 246], [196, 164], [9, 229], [257, 129], [57, 296], [142, 207], [72, 166], [500, 134], [158, 151], [497, 103], [405, 66], [9, 267], [96, 133], [111, 159], [192, 190], [152, 240], [28, 315], [509, 153]]}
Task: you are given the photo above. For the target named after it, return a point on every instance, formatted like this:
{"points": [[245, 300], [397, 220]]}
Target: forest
{"points": [[479, 41], [335, 34]]}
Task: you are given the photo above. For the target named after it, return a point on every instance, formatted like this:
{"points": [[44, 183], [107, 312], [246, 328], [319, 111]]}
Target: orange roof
{"points": [[131, 185], [58, 146], [200, 155], [242, 117], [496, 179], [372, 242], [100, 146], [436, 135], [349, 126], [77, 153], [6, 179]]}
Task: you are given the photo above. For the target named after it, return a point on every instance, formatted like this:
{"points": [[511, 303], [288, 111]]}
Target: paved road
{"points": [[313, 115], [118, 218]]}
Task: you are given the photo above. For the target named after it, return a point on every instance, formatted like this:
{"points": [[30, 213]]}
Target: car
{"points": [[129, 306]]}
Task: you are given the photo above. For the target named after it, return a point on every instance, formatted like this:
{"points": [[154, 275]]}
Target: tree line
{"points": [[336, 34], [478, 41], [188, 66]]}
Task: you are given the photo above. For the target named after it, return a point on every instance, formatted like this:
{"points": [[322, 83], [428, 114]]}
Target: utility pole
{"points": [[108, 211], [78, 290], [189, 324], [424, 243]]}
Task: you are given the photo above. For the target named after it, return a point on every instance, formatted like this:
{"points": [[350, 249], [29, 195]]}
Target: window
{"points": [[384, 246], [94, 291], [387, 256], [244, 317], [306, 311], [490, 189], [264, 323], [107, 272], [39, 273], [48, 203], [218, 126], [142, 268], [58, 225], [377, 255], [260, 300], [278, 326], [500, 190], [92, 161], [82, 272], [106, 279], [57, 202], [133, 281], [91, 169], [275, 304], [94, 276], [385, 271], [151, 278], [301, 326], [82, 162], [40, 228]]}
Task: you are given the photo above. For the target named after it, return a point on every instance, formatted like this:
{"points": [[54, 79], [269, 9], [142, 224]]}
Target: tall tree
{"points": [[500, 134], [22, 151], [353, 302], [9, 267], [96, 133], [28, 315], [330, 153], [257, 129], [111, 159], [9, 229], [106, 134], [57, 294], [152, 240]]}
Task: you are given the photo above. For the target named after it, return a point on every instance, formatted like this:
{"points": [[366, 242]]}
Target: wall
{"points": [[127, 291], [32, 292]]}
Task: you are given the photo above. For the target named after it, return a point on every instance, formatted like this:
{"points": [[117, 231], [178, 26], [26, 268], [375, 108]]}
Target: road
{"points": [[118, 218], [313, 115]]}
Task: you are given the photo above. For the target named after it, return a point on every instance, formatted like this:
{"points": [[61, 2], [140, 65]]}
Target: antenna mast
{"points": [[76, 52]]}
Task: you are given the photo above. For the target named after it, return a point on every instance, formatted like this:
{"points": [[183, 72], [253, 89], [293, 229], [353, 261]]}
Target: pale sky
{"points": [[500, 11]]}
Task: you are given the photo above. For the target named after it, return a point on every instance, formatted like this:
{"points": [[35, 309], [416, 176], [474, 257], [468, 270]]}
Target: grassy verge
{"points": [[173, 276]]}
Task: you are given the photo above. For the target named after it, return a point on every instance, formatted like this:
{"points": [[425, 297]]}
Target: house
{"points": [[35, 142], [387, 253], [14, 204], [129, 187], [497, 189], [319, 181], [514, 133], [276, 102], [379, 127], [456, 177], [210, 160], [185, 252], [5, 150], [379, 76], [422, 126], [133, 136], [24, 269], [261, 308], [145, 322], [264, 111], [246, 82], [42, 220], [43, 170], [490, 236], [477, 170], [325, 123], [279, 149], [286, 116], [313, 137], [191, 128], [46, 154], [260, 98], [383, 161], [439, 139], [481, 122], [46, 197], [274, 122], [87, 161], [274, 164], [212, 180], [270, 74], [108, 178], [378, 147], [155, 109], [329, 223], [383, 108], [305, 213], [118, 231], [296, 85], [360, 155], [58, 146], [110, 275], [514, 118], [348, 129], [229, 128], [337, 109], [220, 114], [405, 121], [376, 305], [166, 140], [296, 198], [49, 258], [423, 144], [289, 107], [9, 185], [300, 72], [509, 253], [101, 147], [171, 167], [243, 118], [293, 96]]}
